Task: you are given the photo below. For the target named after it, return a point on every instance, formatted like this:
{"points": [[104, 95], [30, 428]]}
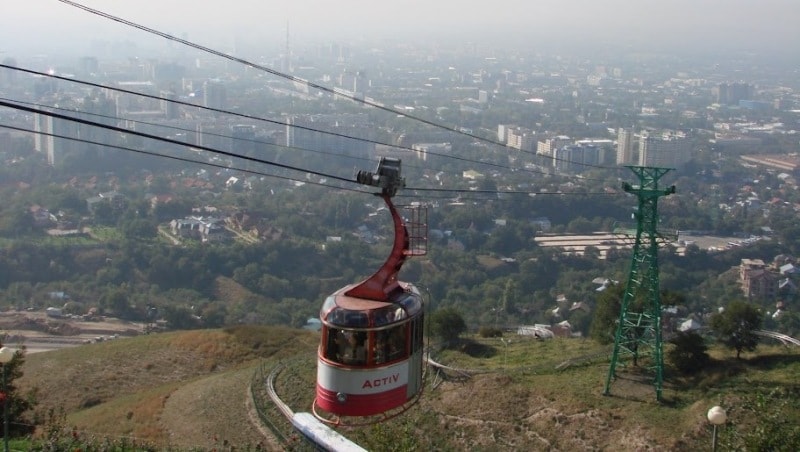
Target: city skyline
{"points": [[708, 25]]}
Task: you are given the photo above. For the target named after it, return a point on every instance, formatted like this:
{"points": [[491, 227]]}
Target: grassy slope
{"points": [[183, 388], [188, 389]]}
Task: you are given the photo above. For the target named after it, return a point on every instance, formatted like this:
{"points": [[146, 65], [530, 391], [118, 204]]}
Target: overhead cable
{"points": [[299, 80], [257, 118]]}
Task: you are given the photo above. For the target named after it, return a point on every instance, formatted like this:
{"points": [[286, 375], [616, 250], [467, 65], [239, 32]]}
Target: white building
{"points": [[548, 146], [625, 140], [669, 150]]}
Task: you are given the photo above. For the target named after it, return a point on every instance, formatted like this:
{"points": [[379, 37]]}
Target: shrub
{"points": [[490, 331], [689, 354]]}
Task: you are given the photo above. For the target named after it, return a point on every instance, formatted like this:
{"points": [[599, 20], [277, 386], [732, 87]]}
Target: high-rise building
{"points": [[502, 132], [101, 109], [731, 94], [88, 66], [576, 157], [668, 150], [548, 146], [51, 136], [215, 95], [522, 139], [625, 140], [171, 109], [243, 138], [8, 77], [422, 149], [347, 134]]}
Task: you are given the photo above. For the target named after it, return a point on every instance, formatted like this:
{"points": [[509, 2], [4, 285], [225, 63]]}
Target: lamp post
{"points": [[717, 416]]}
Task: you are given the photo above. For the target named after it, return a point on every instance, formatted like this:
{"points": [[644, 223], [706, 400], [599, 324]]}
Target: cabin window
{"points": [[347, 346]]}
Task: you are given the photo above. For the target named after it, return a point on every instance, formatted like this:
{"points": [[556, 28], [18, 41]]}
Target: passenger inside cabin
{"points": [[360, 348], [397, 342], [351, 347], [381, 350]]}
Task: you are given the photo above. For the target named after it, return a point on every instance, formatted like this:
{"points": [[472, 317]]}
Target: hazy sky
{"points": [[50, 25]]}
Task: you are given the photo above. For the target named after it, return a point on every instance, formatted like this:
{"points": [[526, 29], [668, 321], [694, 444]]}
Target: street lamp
{"points": [[505, 355], [717, 416]]}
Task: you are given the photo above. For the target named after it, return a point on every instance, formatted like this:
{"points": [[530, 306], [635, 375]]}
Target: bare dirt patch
{"points": [[39, 332]]}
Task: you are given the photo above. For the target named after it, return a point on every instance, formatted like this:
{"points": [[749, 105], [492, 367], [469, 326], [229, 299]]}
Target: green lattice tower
{"points": [[639, 328]]}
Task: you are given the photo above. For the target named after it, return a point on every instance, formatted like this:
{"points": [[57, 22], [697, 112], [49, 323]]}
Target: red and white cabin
{"points": [[370, 355], [370, 359]]}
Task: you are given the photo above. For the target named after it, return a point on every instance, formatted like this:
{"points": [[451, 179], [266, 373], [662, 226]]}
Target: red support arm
{"points": [[383, 283]]}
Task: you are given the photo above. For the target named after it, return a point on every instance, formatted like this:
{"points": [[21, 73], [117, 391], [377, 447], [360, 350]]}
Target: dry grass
{"points": [[190, 390], [519, 400], [185, 389]]}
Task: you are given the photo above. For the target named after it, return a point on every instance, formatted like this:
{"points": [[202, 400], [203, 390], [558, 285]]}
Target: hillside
{"points": [[186, 389], [191, 390]]}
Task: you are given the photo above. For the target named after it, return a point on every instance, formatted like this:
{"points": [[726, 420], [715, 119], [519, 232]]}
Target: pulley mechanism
{"points": [[387, 176]]}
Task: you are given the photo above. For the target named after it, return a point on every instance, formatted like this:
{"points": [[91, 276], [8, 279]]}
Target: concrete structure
{"points": [[576, 157], [215, 95], [668, 150], [731, 94], [548, 146], [757, 281], [340, 128], [522, 139], [50, 136], [422, 149], [625, 141]]}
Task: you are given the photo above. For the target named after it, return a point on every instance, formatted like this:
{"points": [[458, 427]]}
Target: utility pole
{"points": [[639, 327]]}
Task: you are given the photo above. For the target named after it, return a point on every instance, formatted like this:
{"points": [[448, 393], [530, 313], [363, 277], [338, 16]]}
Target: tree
{"points": [[116, 300], [104, 213], [689, 353], [15, 222], [510, 296], [788, 323], [180, 317], [18, 404], [447, 324], [606, 314], [139, 228], [736, 325]]}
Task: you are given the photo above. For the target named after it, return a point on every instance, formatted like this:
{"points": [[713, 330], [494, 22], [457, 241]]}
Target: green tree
{"points": [[447, 324], [104, 213], [788, 323], [510, 296], [180, 317], [116, 300], [139, 228], [606, 314], [736, 325], [18, 404], [15, 222], [172, 209], [689, 353]]}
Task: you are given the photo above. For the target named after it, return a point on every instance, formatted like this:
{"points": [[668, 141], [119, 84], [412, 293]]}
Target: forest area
{"points": [[491, 271]]}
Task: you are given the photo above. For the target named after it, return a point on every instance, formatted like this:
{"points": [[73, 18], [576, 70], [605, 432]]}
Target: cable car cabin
{"points": [[369, 360], [370, 357]]}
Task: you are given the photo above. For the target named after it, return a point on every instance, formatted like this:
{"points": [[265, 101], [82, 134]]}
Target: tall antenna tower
{"points": [[287, 56], [639, 327]]}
